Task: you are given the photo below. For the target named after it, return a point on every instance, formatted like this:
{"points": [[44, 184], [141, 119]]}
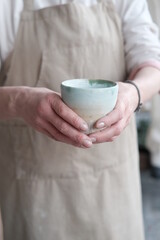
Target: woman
{"points": [[88, 188]]}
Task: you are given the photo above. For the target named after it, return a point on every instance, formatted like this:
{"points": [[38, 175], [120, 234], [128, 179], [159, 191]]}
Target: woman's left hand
{"points": [[116, 121]]}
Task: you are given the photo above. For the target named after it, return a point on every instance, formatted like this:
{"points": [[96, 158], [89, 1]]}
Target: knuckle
{"points": [[62, 128], [79, 138], [118, 129], [41, 109], [37, 122], [60, 109], [49, 97], [75, 121], [120, 114], [100, 139]]}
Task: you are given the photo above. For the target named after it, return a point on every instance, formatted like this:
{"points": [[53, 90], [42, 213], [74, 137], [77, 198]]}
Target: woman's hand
{"points": [[45, 111], [116, 121]]}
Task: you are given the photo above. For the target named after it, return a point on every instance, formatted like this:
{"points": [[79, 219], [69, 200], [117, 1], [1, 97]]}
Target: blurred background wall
{"points": [[148, 124], [153, 136]]}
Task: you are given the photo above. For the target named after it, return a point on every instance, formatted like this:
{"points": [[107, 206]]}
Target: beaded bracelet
{"points": [[139, 96]]}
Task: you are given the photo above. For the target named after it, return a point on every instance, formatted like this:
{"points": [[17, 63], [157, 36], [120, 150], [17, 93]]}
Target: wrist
{"points": [[18, 100], [138, 95], [11, 98]]}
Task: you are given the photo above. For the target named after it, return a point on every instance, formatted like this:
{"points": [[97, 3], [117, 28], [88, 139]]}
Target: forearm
{"points": [[148, 82]]}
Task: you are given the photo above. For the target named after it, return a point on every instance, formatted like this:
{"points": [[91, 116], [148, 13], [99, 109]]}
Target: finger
{"points": [[67, 141], [109, 140], [70, 132], [68, 115], [112, 139], [116, 115], [54, 133], [108, 134]]}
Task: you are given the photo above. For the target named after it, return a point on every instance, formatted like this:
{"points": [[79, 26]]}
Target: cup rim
{"points": [[113, 84]]}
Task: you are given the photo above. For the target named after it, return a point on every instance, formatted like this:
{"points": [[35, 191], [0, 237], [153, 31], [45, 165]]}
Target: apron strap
{"points": [[28, 5]]}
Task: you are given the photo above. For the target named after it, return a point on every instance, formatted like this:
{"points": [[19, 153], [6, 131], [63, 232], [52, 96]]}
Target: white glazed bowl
{"points": [[90, 99]]}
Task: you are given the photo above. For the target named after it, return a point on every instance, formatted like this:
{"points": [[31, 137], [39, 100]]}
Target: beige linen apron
{"points": [[50, 190]]}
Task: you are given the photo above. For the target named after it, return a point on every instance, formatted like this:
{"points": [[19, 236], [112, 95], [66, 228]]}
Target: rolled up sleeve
{"points": [[141, 36]]}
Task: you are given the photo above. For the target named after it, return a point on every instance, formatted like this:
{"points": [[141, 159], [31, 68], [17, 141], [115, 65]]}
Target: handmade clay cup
{"points": [[90, 99]]}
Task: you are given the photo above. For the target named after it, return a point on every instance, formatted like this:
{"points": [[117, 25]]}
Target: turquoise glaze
{"points": [[90, 99]]}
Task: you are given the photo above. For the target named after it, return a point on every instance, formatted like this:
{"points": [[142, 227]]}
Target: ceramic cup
{"points": [[90, 99]]}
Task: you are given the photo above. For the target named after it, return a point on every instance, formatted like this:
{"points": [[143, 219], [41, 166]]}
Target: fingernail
{"points": [[93, 140], [100, 125], [84, 127], [87, 143]]}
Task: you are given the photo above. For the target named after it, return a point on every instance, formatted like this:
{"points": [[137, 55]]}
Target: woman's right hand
{"points": [[45, 111]]}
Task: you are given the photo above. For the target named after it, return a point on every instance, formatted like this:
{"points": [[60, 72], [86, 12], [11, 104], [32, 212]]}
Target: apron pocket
{"points": [[32, 155]]}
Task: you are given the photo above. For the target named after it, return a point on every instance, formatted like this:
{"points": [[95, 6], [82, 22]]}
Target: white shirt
{"points": [[140, 33]]}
